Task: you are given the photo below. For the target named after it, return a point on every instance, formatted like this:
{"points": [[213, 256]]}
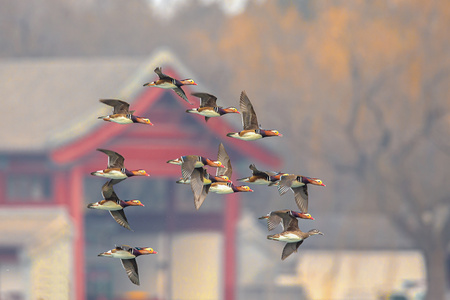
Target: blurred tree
{"points": [[370, 82], [362, 87]]}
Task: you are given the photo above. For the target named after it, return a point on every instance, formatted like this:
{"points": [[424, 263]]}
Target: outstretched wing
{"points": [[197, 183], [249, 120], [121, 219], [161, 74], [285, 183], [257, 172], [207, 100], [188, 166], [115, 160], [131, 268], [291, 224], [181, 93], [201, 198], [223, 157], [120, 107], [301, 197], [274, 218], [108, 191], [289, 249]]}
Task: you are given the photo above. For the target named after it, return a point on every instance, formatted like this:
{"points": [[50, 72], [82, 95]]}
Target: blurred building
{"points": [[45, 173], [49, 240]]}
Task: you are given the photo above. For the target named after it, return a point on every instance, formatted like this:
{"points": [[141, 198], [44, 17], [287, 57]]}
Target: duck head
{"points": [[223, 178], [215, 163], [134, 203], [314, 232], [271, 133], [188, 82], [301, 215], [231, 110], [144, 121], [140, 173], [243, 188], [145, 250], [316, 181]]}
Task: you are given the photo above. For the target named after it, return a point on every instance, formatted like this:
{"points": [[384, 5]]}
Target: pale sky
{"points": [[168, 8]]}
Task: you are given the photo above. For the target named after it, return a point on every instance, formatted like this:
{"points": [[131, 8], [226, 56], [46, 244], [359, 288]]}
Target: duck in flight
{"points": [[292, 235], [167, 82], [121, 113], [208, 107], [116, 169], [113, 204], [127, 256], [251, 129]]}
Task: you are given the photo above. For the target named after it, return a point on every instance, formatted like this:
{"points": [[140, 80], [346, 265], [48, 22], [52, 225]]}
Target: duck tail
{"points": [[263, 217], [245, 179], [105, 118]]}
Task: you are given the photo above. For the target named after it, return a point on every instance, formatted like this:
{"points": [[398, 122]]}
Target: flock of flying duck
{"points": [[195, 174]]}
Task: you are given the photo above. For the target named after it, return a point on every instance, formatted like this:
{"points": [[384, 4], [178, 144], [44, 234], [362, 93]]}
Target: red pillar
{"points": [[76, 206], [231, 218]]}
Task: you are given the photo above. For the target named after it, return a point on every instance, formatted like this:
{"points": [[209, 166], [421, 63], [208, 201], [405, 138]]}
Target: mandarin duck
{"points": [[298, 184], [200, 187], [190, 162], [116, 169], [293, 237], [221, 187], [208, 107], [262, 177], [128, 256], [167, 82], [251, 129], [113, 204], [121, 113], [283, 217]]}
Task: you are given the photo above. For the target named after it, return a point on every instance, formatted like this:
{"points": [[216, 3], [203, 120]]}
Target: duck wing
{"points": [[290, 248], [197, 184], [301, 197], [207, 100], [289, 222], [125, 248], [201, 198], [108, 191], [291, 225], [181, 93], [131, 268], [249, 120], [115, 160], [161, 74], [285, 183], [223, 157], [120, 218], [257, 172], [274, 218], [188, 166], [120, 107]]}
